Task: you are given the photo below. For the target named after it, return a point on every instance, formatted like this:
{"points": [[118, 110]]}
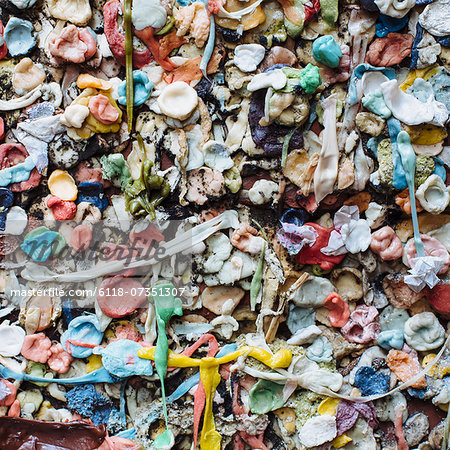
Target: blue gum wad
{"points": [[87, 402], [6, 200], [86, 329], [327, 51], [19, 36], [391, 339], [92, 193], [120, 359], [387, 24], [371, 382], [142, 88], [40, 243], [300, 318]]}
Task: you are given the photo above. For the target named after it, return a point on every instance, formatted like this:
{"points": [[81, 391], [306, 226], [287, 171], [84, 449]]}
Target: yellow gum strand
{"points": [[210, 378], [426, 74]]}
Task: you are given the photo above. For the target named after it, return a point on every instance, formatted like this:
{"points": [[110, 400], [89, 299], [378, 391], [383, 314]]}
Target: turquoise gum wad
{"points": [[327, 51]]}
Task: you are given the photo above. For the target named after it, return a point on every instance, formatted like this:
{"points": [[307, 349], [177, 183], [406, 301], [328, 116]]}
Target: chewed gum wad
{"points": [[224, 224]]}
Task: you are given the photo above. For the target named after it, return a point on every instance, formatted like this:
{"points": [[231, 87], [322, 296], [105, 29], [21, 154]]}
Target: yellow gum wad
{"points": [[91, 124], [439, 370], [426, 74], [426, 134], [210, 378], [329, 407]]}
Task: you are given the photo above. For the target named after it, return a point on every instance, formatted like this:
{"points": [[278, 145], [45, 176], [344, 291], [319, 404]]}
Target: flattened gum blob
{"points": [[386, 244], [62, 185], [389, 50], [14, 410], [27, 76], [36, 347], [73, 45], [439, 297], [432, 247], [405, 367], [102, 109], [62, 210], [81, 237], [119, 443], [10, 396], [59, 360], [402, 199], [339, 311], [74, 116]]}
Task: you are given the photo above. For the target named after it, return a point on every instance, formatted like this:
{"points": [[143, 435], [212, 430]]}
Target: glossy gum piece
{"points": [[405, 367], [142, 87], [73, 45], [339, 311], [12, 154], [85, 80], [81, 237], [62, 185], [36, 347], [62, 210], [363, 325], [389, 50], [313, 255], [116, 39], [102, 110], [386, 244], [327, 51]]}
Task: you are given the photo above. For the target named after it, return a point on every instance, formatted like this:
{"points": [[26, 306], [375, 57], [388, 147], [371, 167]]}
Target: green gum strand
{"points": [[166, 306]]}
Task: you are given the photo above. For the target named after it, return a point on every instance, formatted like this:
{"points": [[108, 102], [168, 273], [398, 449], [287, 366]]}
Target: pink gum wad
{"points": [[11, 396], [362, 326], [389, 50], [81, 237], [102, 110], [405, 367], [61, 209], [339, 312], [74, 44], [432, 247], [386, 244], [39, 348]]}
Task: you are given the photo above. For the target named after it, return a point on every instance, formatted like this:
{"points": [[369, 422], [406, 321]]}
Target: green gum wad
{"points": [[329, 9], [265, 396], [374, 102], [144, 195], [327, 51], [166, 306], [308, 79], [114, 166]]}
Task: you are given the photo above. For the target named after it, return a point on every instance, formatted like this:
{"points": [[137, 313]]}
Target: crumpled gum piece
{"points": [[339, 311], [73, 44], [431, 246], [62, 210], [102, 110], [389, 50], [245, 239], [395, 8], [402, 199], [27, 76], [62, 185], [386, 244], [405, 367], [423, 332], [36, 347], [362, 326], [76, 11], [74, 116], [59, 360]]}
